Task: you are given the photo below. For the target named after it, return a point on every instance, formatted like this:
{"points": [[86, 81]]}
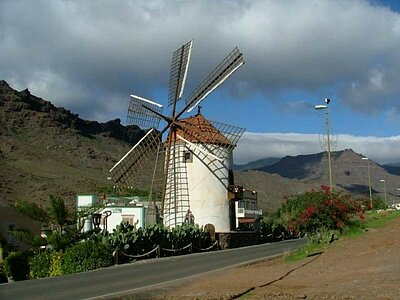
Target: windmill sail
{"points": [[226, 68], [143, 112], [142, 155], [179, 67], [176, 196]]}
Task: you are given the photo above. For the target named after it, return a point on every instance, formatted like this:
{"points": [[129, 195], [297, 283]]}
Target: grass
{"points": [[373, 220], [308, 250], [356, 228]]}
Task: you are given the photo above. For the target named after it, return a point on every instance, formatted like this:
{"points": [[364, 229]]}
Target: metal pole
{"points": [[329, 149], [369, 185], [384, 189], [369, 180]]}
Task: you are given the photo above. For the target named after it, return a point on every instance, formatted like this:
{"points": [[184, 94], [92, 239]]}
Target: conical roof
{"points": [[198, 130]]}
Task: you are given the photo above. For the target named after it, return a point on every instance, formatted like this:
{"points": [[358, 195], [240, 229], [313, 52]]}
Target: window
{"points": [[128, 219], [187, 157], [248, 205], [241, 204], [253, 205]]}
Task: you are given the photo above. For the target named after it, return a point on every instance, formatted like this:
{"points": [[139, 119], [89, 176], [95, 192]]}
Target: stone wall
{"points": [[227, 240]]}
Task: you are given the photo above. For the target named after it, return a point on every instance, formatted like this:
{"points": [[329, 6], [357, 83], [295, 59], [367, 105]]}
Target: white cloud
{"points": [[253, 146], [111, 49]]}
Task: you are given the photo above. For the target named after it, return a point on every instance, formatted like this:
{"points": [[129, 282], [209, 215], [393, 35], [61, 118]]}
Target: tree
{"points": [[58, 212], [32, 210], [55, 217]]}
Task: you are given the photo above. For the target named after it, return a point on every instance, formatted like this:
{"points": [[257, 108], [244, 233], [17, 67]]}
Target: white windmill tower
{"points": [[191, 168]]}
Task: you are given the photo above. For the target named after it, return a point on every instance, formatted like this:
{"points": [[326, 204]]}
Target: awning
{"points": [[246, 220]]}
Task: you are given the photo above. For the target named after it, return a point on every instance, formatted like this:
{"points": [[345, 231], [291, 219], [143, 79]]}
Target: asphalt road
{"points": [[135, 277]]}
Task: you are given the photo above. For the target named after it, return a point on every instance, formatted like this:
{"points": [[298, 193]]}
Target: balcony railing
{"points": [[245, 213]]}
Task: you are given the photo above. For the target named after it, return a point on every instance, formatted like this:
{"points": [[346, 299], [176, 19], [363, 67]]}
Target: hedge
{"points": [[17, 265], [86, 256]]}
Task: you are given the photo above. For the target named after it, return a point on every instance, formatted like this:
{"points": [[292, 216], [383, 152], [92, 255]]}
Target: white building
{"points": [[245, 209], [108, 214]]}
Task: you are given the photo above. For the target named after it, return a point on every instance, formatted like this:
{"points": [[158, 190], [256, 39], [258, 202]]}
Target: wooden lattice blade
{"points": [[226, 68], [179, 67], [142, 117], [138, 163]]}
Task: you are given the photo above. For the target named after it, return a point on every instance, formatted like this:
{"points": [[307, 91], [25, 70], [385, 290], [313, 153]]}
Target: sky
{"points": [[89, 56]]}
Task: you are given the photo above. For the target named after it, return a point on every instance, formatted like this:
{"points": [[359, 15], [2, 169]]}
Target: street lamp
{"points": [[326, 108], [384, 189], [96, 220], [399, 191], [369, 181]]}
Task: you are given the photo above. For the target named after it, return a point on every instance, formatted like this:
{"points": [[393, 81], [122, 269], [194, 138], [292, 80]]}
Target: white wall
{"points": [[84, 200], [117, 213], [208, 183]]}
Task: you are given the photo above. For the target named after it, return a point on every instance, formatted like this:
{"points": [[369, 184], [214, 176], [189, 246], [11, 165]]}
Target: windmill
{"points": [[190, 170]]}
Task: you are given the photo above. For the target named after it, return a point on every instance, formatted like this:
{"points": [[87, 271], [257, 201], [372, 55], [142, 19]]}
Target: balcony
{"points": [[247, 213]]}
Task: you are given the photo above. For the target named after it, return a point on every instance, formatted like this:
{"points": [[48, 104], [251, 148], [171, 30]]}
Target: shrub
{"points": [[58, 241], [86, 256], [39, 265], [56, 263], [377, 203], [129, 240], [272, 230], [182, 235], [45, 264], [17, 265], [311, 212], [3, 276]]}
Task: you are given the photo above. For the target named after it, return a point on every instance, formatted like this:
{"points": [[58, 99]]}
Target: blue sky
{"points": [[88, 56]]}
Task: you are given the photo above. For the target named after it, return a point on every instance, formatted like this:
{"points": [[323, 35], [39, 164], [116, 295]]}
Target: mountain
{"points": [[49, 150], [392, 168], [272, 189], [294, 174], [257, 164]]}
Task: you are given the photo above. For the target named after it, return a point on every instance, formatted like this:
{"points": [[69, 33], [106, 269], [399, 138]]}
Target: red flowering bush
{"points": [[311, 211]]}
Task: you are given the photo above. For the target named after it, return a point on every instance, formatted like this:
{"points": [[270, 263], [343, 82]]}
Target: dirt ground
{"points": [[366, 267]]}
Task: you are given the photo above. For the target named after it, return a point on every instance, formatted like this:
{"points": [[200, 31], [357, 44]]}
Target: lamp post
{"points": [[398, 189], [384, 189], [369, 181], [96, 220], [326, 108]]}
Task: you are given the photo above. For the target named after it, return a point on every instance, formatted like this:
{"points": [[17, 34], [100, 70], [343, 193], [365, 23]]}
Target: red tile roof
{"points": [[197, 129]]}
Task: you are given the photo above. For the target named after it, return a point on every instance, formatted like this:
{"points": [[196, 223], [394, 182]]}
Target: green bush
{"points": [[39, 265], [45, 264], [182, 235], [377, 203], [129, 240], [58, 241], [56, 263], [311, 212], [17, 265], [3, 276], [86, 256]]}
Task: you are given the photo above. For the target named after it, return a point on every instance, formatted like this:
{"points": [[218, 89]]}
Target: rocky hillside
{"points": [[295, 174], [49, 150], [254, 165]]}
